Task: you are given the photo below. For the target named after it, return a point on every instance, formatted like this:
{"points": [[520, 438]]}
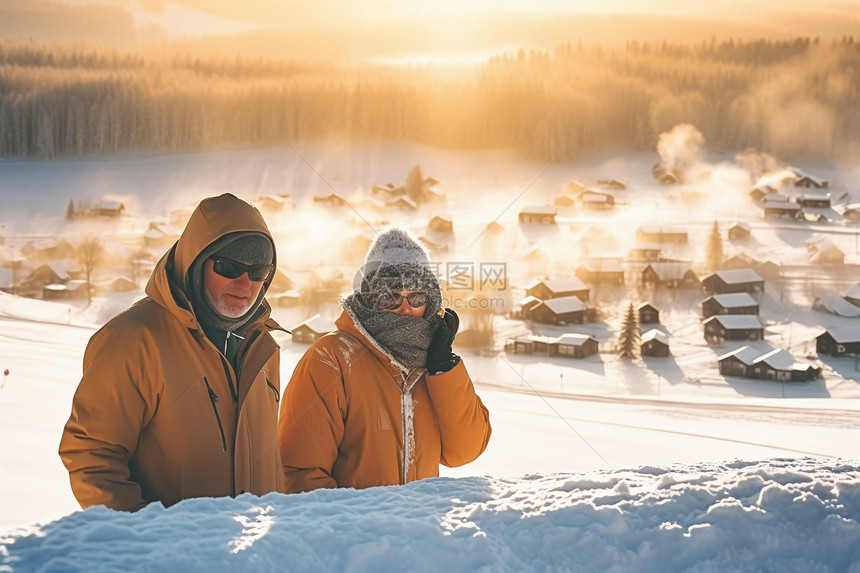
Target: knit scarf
{"points": [[404, 339]]}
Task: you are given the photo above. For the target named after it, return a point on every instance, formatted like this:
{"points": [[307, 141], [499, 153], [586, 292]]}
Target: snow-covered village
{"points": [[660, 313]]}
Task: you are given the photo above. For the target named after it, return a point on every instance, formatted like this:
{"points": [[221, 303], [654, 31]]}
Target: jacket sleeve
{"points": [[310, 425], [108, 412], [464, 422]]}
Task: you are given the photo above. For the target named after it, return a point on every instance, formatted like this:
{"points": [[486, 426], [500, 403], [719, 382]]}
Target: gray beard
{"points": [[403, 338]]}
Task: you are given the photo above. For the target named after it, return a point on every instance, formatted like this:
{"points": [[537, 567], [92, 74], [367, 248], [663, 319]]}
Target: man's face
{"points": [[231, 298]]}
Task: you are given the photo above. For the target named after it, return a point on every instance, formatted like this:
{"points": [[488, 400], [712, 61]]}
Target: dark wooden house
{"points": [[739, 232], [542, 214], [839, 341], [657, 234], [655, 343], [736, 280], [733, 327], [607, 271], [564, 310], [312, 329], [574, 345], [669, 274], [648, 313], [774, 364], [558, 288], [729, 303]]}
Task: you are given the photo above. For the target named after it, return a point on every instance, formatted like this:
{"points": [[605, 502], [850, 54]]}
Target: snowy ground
{"points": [[593, 464]]}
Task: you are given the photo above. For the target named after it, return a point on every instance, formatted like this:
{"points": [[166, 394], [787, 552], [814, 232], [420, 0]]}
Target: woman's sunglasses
{"points": [[233, 270], [393, 300]]}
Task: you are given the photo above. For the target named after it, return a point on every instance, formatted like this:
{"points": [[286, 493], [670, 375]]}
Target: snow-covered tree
{"points": [[628, 339], [714, 249]]}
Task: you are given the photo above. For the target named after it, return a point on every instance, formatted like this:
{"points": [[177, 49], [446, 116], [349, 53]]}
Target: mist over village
{"points": [[647, 220]]}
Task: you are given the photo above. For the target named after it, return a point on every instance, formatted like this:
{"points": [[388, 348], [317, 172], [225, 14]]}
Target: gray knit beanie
{"points": [[396, 261], [251, 248]]}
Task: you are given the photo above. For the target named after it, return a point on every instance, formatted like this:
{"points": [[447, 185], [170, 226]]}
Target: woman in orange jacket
{"points": [[382, 400]]}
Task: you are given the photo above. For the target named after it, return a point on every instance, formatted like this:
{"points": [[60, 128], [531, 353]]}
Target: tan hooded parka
{"points": [[350, 418], [160, 414]]}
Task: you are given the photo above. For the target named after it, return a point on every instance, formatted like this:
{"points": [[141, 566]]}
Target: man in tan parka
{"points": [[179, 394]]}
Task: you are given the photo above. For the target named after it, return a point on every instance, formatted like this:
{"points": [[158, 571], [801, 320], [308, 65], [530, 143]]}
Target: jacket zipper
{"points": [[213, 397]]}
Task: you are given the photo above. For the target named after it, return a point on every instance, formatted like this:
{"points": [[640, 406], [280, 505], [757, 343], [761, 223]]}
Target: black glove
{"points": [[440, 358]]}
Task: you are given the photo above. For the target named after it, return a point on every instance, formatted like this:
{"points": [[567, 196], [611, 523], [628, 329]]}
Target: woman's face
{"points": [[406, 306]]}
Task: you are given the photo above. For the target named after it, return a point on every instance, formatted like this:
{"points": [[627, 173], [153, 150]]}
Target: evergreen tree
{"points": [[70, 210], [628, 340], [714, 250], [415, 185]]}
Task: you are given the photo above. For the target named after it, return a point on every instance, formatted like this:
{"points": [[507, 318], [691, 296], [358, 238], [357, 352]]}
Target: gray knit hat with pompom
{"points": [[397, 261]]}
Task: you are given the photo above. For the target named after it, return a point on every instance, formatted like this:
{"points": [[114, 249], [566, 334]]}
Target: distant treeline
{"points": [[790, 98]]}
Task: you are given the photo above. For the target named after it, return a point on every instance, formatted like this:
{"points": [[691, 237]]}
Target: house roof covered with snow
{"points": [[574, 339], [655, 334], [739, 276], [745, 354], [737, 321], [564, 304], [735, 299], [845, 334], [835, 304], [560, 285]]}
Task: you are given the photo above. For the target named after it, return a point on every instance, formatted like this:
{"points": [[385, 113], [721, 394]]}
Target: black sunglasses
{"points": [[233, 269], [393, 300]]}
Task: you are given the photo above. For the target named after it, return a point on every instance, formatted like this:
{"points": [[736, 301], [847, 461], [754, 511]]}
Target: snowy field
{"points": [[595, 464]]}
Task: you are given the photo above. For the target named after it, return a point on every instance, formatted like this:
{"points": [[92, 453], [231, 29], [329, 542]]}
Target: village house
{"points": [[542, 214], [852, 294], [834, 304], [574, 345], [655, 343], [571, 345], [556, 288], [562, 311], [160, 235], [606, 271], [107, 208], [851, 213], [779, 206], [657, 234], [760, 191], [823, 251], [42, 250], [669, 274], [739, 232], [331, 199], [814, 201], [839, 341], [733, 327], [808, 181], [312, 329], [574, 188], [526, 306], [645, 252], [53, 273], [648, 313], [272, 202], [735, 280], [564, 201], [595, 200], [439, 224], [774, 364], [612, 184], [729, 303], [401, 203], [75, 288]]}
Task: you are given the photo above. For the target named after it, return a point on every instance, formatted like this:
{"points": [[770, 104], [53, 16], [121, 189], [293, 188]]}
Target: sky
{"points": [[595, 464]]}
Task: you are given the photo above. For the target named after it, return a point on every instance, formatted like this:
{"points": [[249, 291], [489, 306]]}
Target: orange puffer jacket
{"points": [[154, 417], [349, 418]]}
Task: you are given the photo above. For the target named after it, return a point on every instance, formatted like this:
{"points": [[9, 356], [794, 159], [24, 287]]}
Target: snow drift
{"points": [[776, 515]]}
